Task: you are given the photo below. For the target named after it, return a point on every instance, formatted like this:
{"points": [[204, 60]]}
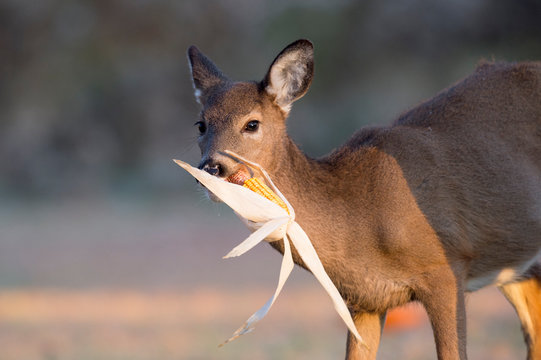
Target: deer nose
{"points": [[212, 169]]}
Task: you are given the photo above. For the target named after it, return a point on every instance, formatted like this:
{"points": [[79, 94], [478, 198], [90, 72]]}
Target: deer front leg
{"points": [[442, 295], [369, 326]]}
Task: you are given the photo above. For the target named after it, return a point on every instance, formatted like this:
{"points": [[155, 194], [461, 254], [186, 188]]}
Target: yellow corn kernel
{"points": [[259, 187]]}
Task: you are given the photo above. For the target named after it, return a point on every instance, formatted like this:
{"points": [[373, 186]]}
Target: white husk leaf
{"points": [[270, 222], [243, 201]]}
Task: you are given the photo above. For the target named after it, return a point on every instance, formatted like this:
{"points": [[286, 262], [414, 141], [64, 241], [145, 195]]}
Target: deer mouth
{"points": [[239, 176]]}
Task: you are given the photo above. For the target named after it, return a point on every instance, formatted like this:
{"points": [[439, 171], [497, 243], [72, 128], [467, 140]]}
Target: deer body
{"points": [[446, 200]]}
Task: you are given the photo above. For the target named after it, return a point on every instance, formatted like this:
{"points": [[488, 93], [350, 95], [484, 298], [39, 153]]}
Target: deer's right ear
{"points": [[204, 73], [290, 74]]}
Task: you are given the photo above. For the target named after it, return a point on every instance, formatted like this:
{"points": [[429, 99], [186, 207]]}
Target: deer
{"points": [[443, 201]]}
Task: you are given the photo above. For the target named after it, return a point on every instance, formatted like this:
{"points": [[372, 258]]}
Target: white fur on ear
{"points": [[286, 77], [196, 91], [290, 74]]}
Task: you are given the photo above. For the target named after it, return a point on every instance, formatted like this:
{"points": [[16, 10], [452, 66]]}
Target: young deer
{"points": [[444, 201]]}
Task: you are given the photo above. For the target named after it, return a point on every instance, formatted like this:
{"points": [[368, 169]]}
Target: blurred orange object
{"points": [[405, 317]]}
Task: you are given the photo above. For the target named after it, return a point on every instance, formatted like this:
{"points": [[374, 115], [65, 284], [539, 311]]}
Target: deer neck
{"points": [[299, 177], [310, 187]]}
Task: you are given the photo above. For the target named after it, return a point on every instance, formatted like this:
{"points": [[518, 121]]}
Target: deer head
{"points": [[248, 118]]}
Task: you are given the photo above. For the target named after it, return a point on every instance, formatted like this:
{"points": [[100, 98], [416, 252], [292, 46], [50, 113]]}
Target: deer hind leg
{"points": [[525, 296], [369, 326]]}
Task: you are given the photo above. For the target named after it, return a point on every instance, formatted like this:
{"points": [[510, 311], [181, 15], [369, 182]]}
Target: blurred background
{"points": [[109, 251]]}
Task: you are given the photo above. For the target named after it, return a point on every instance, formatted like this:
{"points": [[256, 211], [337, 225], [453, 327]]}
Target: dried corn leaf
{"points": [[270, 222]]}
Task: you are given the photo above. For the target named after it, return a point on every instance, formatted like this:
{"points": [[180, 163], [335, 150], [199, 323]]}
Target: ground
{"points": [[117, 280]]}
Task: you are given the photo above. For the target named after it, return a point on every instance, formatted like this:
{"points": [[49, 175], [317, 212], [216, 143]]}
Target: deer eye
{"points": [[201, 126], [251, 126]]}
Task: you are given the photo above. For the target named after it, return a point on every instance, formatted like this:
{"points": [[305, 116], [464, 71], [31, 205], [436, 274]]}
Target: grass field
{"points": [[102, 280], [91, 324]]}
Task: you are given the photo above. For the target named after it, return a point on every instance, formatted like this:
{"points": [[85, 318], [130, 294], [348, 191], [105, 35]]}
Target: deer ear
{"points": [[291, 73], [204, 73]]}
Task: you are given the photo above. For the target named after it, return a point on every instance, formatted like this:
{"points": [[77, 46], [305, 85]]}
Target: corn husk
{"points": [[270, 222]]}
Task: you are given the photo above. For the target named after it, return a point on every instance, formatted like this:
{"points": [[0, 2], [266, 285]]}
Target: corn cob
{"points": [[239, 177], [259, 187]]}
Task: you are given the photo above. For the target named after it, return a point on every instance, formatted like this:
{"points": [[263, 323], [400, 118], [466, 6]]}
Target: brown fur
{"points": [[436, 204]]}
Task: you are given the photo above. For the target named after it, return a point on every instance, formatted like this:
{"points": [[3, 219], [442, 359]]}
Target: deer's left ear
{"points": [[290, 74]]}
